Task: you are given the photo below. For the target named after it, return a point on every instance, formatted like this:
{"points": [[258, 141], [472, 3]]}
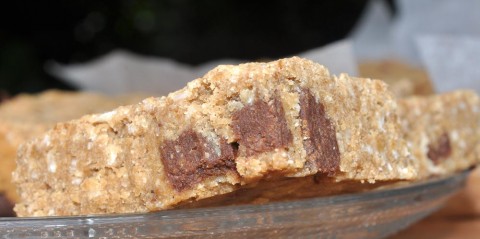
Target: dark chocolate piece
{"points": [[320, 140], [261, 127], [6, 207], [441, 150], [191, 158]]}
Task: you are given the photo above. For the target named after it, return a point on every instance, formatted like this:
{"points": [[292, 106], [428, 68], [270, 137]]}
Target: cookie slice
{"points": [[29, 115], [442, 131], [234, 126]]}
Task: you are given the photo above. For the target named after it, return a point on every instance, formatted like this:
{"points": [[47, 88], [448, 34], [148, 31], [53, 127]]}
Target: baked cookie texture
{"points": [[30, 115], [442, 131], [234, 126]]}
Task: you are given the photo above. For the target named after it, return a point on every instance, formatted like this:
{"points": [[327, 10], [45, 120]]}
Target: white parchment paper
{"points": [[442, 36], [452, 61], [121, 71]]}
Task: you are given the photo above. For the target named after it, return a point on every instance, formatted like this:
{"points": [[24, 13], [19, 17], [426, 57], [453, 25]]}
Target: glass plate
{"points": [[373, 214]]}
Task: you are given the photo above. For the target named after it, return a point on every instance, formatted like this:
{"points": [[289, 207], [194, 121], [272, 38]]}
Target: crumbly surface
{"points": [[403, 79], [27, 116], [442, 131], [234, 126]]}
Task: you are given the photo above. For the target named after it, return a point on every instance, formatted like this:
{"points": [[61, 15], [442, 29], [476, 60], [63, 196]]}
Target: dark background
{"points": [[189, 31]]}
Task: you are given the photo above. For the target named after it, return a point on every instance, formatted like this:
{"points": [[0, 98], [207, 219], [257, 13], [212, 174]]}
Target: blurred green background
{"points": [[35, 32]]}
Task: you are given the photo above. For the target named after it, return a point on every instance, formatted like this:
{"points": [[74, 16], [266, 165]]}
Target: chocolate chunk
{"points": [[319, 133], [261, 127], [6, 207], [191, 158], [440, 150]]}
